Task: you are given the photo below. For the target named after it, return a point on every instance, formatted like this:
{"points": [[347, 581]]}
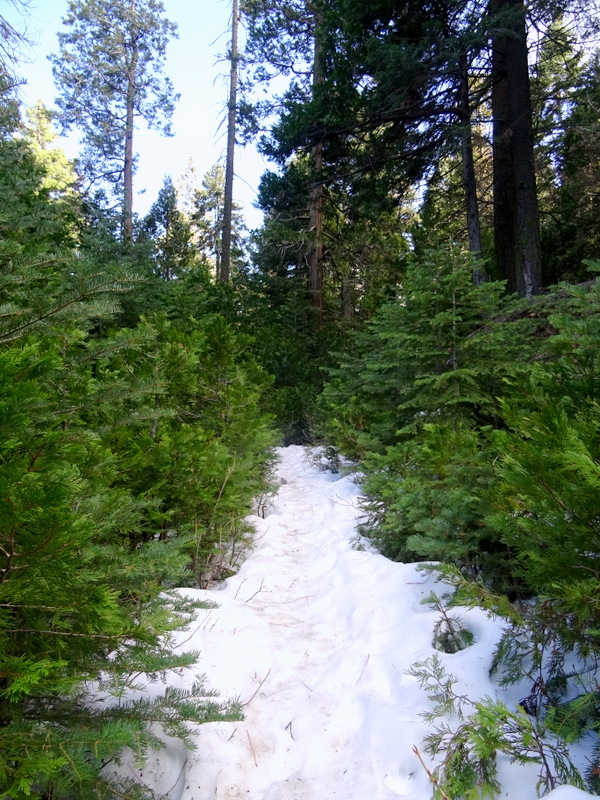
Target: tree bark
{"points": [[129, 124], [128, 160], [314, 255], [516, 220], [224, 272], [468, 169], [347, 298]]}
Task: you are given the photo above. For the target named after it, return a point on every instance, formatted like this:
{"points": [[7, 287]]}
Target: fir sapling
{"points": [[474, 733], [449, 632]]}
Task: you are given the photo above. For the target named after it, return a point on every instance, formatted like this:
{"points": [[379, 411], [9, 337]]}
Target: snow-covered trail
{"points": [[315, 637], [314, 728]]}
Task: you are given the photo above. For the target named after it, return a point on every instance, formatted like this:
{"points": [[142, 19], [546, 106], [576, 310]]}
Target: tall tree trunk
{"points": [[314, 256], [128, 160], [315, 225], [225, 270], [468, 169], [516, 221], [347, 298], [529, 261]]}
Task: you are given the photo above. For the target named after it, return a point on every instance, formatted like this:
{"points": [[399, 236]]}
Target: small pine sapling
{"points": [[449, 632], [485, 728]]}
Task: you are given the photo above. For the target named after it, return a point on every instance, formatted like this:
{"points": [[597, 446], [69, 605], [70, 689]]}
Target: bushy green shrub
{"points": [[127, 456]]}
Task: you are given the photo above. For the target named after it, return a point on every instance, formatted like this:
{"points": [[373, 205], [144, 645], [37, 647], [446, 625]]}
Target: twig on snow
{"points": [[239, 587], [253, 751], [260, 588], [362, 672], [257, 690], [430, 775]]}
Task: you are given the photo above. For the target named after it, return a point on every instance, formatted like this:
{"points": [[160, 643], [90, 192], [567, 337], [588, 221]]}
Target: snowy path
{"points": [[316, 638]]}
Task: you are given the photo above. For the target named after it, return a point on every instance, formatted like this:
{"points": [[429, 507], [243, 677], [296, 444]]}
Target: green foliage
{"points": [[362, 262], [483, 729], [545, 500], [476, 422], [206, 220], [278, 316], [170, 233], [109, 74], [59, 172], [427, 500], [128, 460], [26, 216], [421, 359], [196, 441], [570, 233], [449, 632], [73, 592], [416, 399]]}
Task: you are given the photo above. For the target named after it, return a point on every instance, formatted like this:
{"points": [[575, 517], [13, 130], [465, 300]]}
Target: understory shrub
{"points": [[128, 458], [476, 422]]}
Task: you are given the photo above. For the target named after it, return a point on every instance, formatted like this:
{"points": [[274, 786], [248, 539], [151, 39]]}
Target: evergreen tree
{"points": [[401, 91], [190, 435], [107, 440], [415, 398], [288, 40], [207, 221], [516, 217], [59, 172], [546, 502], [109, 74], [171, 234], [12, 43], [571, 233], [77, 601], [32, 175]]}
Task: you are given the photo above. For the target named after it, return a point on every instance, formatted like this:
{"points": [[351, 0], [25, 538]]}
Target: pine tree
{"points": [[109, 74], [516, 217], [571, 234], [73, 596], [59, 172], [546, 501], [415, 399], [82, 605], [208, 221], [171, 234], [12, 44]]}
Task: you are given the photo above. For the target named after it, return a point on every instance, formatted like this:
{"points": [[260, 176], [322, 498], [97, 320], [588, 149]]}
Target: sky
{"points": [[316, 635], [194, 67]]}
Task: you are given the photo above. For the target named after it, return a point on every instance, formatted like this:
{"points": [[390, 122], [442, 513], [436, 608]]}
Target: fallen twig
{"points": [[258, 689], [362, 672], [253, 751], [430, 775], [260, 588]]}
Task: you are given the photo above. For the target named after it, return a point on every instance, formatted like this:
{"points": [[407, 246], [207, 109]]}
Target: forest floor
{"points": [[315, 635]]}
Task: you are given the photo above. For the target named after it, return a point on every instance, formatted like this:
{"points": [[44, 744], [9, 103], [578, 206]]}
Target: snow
{"points": [[316, 636]]}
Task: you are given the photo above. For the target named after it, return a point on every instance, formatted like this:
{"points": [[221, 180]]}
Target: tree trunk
{"points": [[347, 298], [468, 169], [516, 221], [129, 122], [529, 266], [225, 268], [315, 248], [314, 255]]}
